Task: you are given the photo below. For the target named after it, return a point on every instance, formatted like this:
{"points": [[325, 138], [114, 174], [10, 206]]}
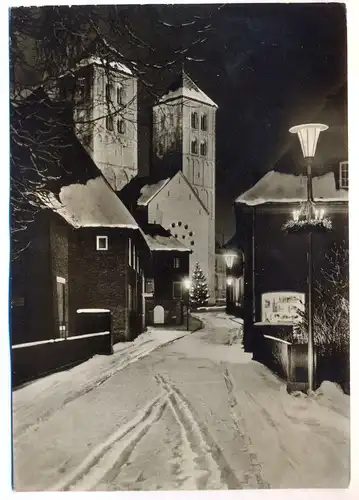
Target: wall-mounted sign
{"points": [[282, 307]]}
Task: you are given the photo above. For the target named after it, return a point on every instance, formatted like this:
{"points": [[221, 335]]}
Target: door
{"points": [[62, 306]]}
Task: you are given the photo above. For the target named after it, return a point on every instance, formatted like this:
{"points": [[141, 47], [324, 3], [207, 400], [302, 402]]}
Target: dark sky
{"points": [[267, 67]]}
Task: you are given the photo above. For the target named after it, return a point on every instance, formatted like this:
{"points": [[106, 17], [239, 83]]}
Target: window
{"points": [[133, 256], [194, 146], [130, 302], [121, 126], [344, 175], [163, 122], [61, 290], [101, 243], [204, 123], [138, 264], [194, 120], [108, 92], [171, 119], [203, 148], [121, 96], [176, 262], [177, 289], [150, 285], [109, 122], [129, 252]]}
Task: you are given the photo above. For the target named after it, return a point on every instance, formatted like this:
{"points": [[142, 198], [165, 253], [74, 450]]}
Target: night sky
{"points": [[267, 67]]}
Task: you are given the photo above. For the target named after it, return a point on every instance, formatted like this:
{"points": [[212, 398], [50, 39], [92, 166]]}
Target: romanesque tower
{"points": [[105, 95], [184, 127]]}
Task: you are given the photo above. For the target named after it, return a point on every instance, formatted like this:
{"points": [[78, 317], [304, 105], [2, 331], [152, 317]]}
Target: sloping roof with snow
{"points": [[160, 239], [278, 187], [92, 204], [165, 243], [184, 87]]}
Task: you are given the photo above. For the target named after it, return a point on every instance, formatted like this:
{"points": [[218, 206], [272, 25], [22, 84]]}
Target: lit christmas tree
{"points": [[199, 289]]}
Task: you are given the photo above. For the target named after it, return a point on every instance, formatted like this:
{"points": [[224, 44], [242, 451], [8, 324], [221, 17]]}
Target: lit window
{"points": [[204, 123], [194, 147], [203, 148], [101, 243], [194, 120], [344, 175], [177, 290], [62, 304], [176, 262]]}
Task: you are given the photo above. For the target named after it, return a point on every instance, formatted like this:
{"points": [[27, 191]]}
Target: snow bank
{"points": [[56, 390], [93, 204], [278, 187]]}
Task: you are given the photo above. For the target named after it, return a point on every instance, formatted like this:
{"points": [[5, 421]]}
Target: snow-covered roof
{"points": [[165, 243], [92, 204], [278, 187], [185, 87], [148, 191], [103, 62]]}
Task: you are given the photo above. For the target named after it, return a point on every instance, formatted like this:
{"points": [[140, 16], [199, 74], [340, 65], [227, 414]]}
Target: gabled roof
{"points": [[160, 239], [278, 187], [184, 87], [140, 191], [93, 204]]}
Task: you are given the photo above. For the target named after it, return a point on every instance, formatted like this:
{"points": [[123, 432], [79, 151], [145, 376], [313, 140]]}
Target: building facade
{"points": [[184, 139]]}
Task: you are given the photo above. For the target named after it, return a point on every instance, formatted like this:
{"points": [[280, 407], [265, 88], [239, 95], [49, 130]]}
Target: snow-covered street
{"points": [[178, 411]]}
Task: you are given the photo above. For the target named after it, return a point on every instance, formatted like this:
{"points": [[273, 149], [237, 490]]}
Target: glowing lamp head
{"points": [[229, 281], [187, 283], [308, 135], [230, 257]]}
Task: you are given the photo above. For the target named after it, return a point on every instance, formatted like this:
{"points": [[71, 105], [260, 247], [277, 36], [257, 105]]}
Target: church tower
{"points": [[104, 92], [184, 128]]}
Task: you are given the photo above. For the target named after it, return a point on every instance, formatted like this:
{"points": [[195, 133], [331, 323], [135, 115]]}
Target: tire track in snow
{"points": [[254, 477], [131, 355], [209, 455], [114, 451]]}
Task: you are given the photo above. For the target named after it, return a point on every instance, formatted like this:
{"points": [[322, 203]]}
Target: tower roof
{"points": [[100, 52], [184, 87]]}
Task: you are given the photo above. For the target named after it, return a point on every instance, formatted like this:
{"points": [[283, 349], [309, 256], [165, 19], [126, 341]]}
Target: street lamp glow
{"points": [[187, 283], [308, 135], [230, 257], [229, 281]]}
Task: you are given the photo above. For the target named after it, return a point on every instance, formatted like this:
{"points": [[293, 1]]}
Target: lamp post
{"points": [[308, 135], [187, 286]]}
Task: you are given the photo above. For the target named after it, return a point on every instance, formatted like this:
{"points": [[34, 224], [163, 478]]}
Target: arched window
{"points": [[121, 95], [121, 126], [194, 146], [109, 122], [109, 88], [203, 148], [194, 120], [204, 122]]}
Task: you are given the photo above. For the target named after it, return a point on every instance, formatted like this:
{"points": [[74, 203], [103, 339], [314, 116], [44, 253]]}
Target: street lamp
{"points": [[187, 286], [308, 135], [229, 258]]}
